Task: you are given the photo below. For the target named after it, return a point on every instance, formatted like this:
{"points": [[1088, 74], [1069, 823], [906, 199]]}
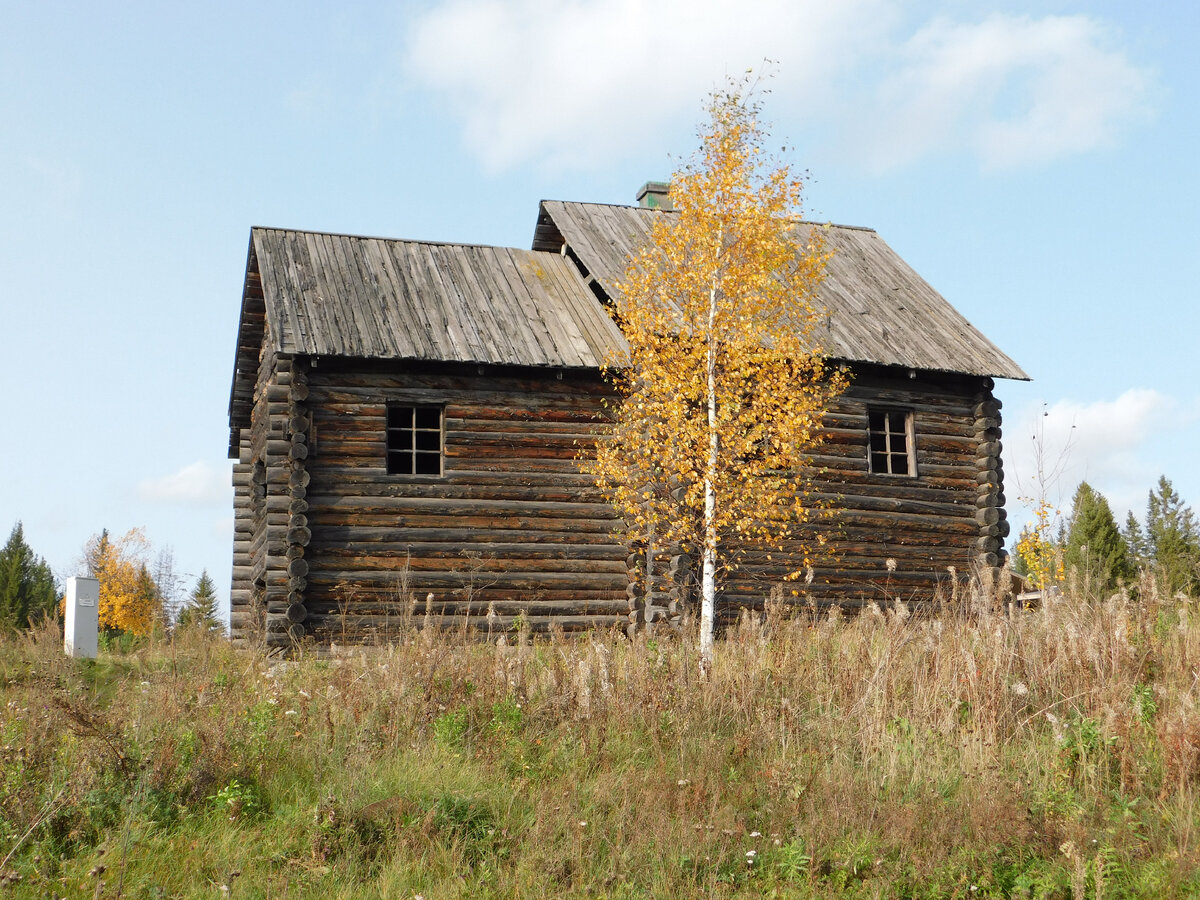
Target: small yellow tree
{"points": [[1038, 553], [129, 598], [725, 384]]}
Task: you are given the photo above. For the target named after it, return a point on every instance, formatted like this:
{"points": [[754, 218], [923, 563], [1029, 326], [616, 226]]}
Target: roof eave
{"points": [[246, 353]]}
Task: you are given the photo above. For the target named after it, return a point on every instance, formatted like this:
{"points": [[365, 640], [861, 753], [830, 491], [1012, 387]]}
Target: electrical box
{"points": [[82, 624]]}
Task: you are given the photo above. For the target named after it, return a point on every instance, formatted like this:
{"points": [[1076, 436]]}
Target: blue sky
{"points": [[1034, 161]]}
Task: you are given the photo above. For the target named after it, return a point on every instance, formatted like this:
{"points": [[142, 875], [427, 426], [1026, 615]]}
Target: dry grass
{"points": [[1045, 753]]}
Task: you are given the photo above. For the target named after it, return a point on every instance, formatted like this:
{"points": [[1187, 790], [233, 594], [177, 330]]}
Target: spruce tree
{"points": [[27, 586], [1173, 539], [1094, 548], [201, 608], [1135, 540]]}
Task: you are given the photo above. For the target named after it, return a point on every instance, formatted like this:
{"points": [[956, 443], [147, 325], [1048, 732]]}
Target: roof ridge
{"points": [[651, 210], [394, 240]]}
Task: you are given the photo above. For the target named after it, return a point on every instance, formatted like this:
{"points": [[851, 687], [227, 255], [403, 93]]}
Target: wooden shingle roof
{"points": [[878, 309], [337, 295], [318, 294]]}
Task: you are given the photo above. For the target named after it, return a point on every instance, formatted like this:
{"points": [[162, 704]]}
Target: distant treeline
{"points": [[1088, 545], [139, 591]]}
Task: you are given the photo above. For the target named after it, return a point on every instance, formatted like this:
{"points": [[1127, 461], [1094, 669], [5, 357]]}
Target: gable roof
{"points": [[878, 309], [320, 294]]}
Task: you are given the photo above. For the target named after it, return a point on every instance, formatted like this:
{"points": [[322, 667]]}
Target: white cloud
{"points": [[198, 483], [1107, 443], [577, 84], [1014, 90]]}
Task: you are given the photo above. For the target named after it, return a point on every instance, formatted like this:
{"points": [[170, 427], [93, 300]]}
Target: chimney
{"points": [[654, 195]]}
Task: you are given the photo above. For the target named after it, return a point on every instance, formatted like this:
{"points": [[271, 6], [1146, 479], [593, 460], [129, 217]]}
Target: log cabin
{"points": [[407, 418]]}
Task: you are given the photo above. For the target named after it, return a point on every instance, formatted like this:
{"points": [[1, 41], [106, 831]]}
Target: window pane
{"points": [[399, 417], [888, 441], [414, 440], [428, 464], [399, 463]]}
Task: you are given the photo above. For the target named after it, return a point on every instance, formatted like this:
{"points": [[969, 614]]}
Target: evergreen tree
{"points": [[200, 611], [147, 594], [1173, 539], [95, 553], [1094, 548], [1017, 561], [27, 586], [1135, 540]]}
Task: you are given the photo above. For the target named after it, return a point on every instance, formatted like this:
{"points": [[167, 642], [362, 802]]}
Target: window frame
{"points": [[394, 433], [909, 454]]}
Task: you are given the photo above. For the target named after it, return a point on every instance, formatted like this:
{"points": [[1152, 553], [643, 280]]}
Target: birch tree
{"points": [[130, 600], [725, 384]]}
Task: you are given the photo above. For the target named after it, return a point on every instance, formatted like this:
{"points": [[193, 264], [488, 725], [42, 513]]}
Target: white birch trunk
{"points": [[708, 581]]}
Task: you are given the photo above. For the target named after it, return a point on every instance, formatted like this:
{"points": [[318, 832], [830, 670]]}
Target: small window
{"points": [[891, 436], [414, 440]]}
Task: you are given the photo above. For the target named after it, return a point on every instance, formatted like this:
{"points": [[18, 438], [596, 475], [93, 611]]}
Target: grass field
{"points": [[1042, 753]]}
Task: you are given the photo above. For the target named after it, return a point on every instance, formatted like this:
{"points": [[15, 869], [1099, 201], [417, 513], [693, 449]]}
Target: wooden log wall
{"points": [[248, 492], [894, 536], [259, 595], [251, 539], [659, 577], [295, 612], [512, 528], [990, 499], [240, 592], [328, 544]]}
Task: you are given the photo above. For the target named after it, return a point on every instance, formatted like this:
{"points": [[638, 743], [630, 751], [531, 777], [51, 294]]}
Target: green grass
{"points": [[1050, 753]]}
